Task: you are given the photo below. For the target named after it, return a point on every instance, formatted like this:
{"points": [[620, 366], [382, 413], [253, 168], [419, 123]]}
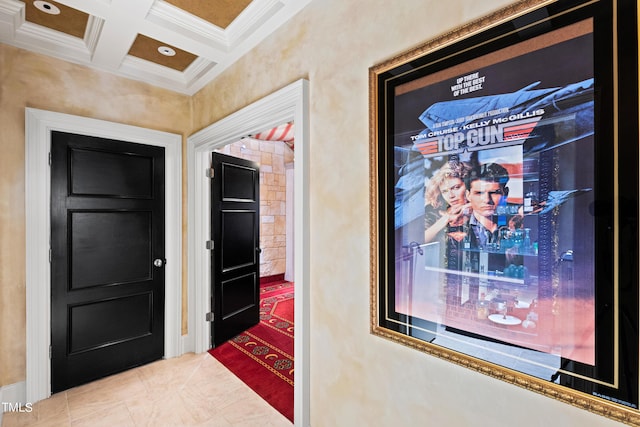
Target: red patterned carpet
{"points": [[262, 356]]}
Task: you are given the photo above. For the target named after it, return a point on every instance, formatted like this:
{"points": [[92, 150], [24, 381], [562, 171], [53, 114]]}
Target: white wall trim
{"points": [[12, 393], [288, 104], [39, 124]]}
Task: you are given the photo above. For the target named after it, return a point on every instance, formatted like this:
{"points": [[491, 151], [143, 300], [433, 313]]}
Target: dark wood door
{"points": [[107, 257], [235, 265]]}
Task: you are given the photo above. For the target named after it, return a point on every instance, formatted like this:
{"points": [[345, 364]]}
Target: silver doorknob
{"points": [[158, 262]]}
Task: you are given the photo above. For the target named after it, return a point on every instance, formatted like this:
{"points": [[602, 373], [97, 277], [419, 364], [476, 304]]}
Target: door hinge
{"points": [[50, 255], [50, 352], [210, 173], [49, 158], [209, 316], [210, 245]]}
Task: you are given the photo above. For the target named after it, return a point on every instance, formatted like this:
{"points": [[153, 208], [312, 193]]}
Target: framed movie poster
{"points": [[504, 200]]}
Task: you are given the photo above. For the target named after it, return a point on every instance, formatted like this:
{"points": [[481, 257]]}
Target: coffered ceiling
{"points": [[180, 45]]}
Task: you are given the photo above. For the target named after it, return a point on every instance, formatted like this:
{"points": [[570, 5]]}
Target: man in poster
{"points": [[487, 189]]}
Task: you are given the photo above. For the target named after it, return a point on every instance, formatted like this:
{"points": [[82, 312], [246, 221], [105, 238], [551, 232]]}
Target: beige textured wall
{"points": [[358, 379], [32, 80]]}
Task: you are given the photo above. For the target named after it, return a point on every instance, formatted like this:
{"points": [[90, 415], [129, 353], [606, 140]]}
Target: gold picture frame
{"points": [[504, 233]]}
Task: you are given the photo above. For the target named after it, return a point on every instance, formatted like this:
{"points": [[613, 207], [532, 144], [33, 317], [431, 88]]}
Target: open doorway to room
{"points": [[289, 104], [260, 355]]}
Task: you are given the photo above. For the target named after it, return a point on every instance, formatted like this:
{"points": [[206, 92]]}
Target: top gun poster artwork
{"points": [[494, 194]]}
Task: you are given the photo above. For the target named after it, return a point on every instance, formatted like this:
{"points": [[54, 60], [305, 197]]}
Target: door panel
{"points": [[239, 239], [123, 252], [97, 324], [107, 228], [237, 295], [238, 182], [123, 174], [235, 219]]}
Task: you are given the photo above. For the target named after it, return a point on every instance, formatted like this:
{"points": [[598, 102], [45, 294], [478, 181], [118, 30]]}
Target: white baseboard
{"points": [[13, 393]]}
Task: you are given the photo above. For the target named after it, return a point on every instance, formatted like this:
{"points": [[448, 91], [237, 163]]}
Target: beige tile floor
{"points": [[192, 390]]}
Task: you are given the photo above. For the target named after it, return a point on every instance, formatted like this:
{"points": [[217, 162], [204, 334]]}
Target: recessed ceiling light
{"points": [[166, 51], [47, 7]]}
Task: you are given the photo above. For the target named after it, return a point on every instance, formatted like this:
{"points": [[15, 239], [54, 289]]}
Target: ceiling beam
{"points": [[121, 25]]}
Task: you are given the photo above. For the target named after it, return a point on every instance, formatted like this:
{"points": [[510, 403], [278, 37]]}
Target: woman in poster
{"points": [[447, 209]]}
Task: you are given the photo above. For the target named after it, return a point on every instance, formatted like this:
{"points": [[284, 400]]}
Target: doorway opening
{"points": [[289, 104], [268, 367]]}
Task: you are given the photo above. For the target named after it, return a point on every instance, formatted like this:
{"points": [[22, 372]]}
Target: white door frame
{"points": [[288, 104], [39, 124]]}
